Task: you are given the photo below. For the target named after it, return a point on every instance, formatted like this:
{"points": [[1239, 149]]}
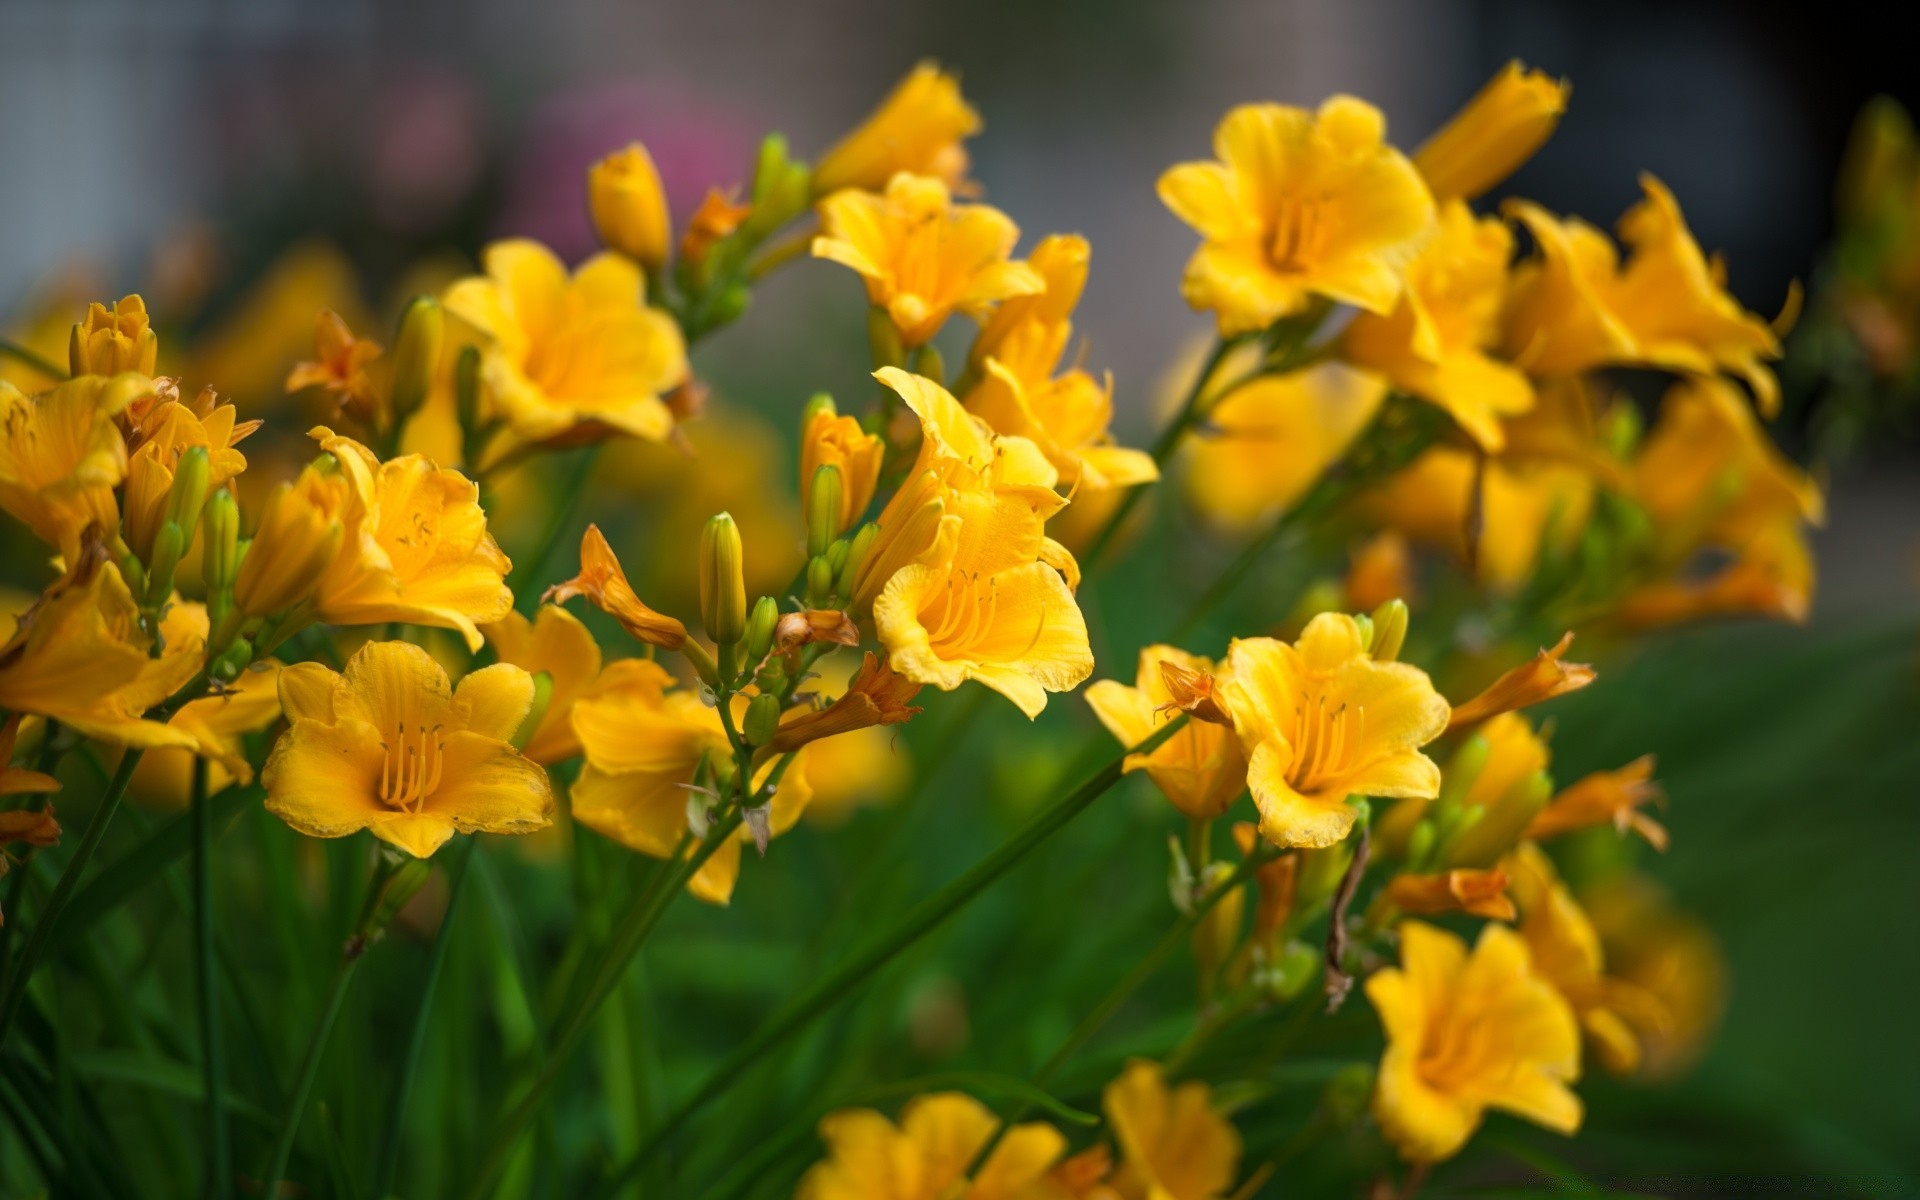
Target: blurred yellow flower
{"points": [[604, 582], [19, 781], [163, 433], [112, 340], [918, 128], [556, 644], [866, 767], [1443, 1068], [217, 722], [1300, 204], [1605, 798], [1174, 1144], [1526, 505], [1321, 721], [339, 364], [629, 206], [1499, 129], [389, 746], [581, 355], [1671, 962], [925, 1157], [1546, 675], [832, 440], [1200, 769], [1436, 341], [301, 529], [1477, 891], [923, 256], [61, 456]]}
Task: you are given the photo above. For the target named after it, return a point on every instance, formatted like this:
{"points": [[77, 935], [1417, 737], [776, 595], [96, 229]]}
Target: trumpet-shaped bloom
{"points": [[925, 1156], [922, 255], [832, 440], [1436, 341], [112, 340], [629, 206], [876, 695], [571, 354], [604, 582], [1605, 798], [415, 547], [1321, 720], [1200, 769], [61, 456], [1499, 129], [302, 527], [918, 128], [1174, 1144], [1469, 1032], [1672, 965], [555, 644], [1546, 675], [1300, 204], [164, 433], [389, 746]]}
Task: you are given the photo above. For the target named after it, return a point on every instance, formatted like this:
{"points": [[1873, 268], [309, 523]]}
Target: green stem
{"points": [[45, 367], [47, 762], [49, 916], [531, 571], [923, 919], [389, 1160], [219, 1147], [310, 1068]]}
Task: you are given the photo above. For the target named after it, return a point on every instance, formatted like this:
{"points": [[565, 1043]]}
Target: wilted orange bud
{"points": [[831, 440], [1483, 893], [112, 340], [629, 206], [1545, 677], [1192, 693], [29, 828], [917, 128], [1083, 1173], [830, 626], [1605, 798], [716, 217], [602, 581], [1499, 129], [299, 536], [15, 781], [877, 695]]}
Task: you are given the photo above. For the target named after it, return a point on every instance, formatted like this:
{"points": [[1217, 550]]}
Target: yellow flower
{"points": [[390, 747], [918, 128], [973, 587], [604, 582], [556, 644], [1201, 769], [1018, 394], [923, 256], [416, 547], [629, 206], [1671, 963], [1576, 306], [1174, 1144], [61, 456], [645, 744], [875, 696], [112, 340], [339, 365], [164, 433], [1605, 798], [302, 526], [832, 440], [581, 355], [1466, 1033], [1500, 128], [80, 657], [1300, 204], [217, 723], [1266, 443], [1526, 504], [1321, 720], [1435, 342], [925, 1157], [1546, 675]]}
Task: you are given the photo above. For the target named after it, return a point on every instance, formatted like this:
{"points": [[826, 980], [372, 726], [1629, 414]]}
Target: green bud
{"points": [[192, 475], [856, 554], [723, 583], [823, 509], [1389, 630], [233, 660], [1294, 969], [1366, 629], [220, 556], [771, 679], [1458, 777], [728, 305], [466, 389], [760, 627], [819, 581], [537, 712], [416, 355], [1320, 872], [168, 546], [769, 167], [818, 403], [1420, 845], [1483, 842], [837, 556], [928, 363], [763, 719]]}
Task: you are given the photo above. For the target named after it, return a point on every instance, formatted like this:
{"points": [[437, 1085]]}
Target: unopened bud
{"points": [[820, 403], [928, 363], [723, 583], [1420, 845], [1389, 630], [856, 555], [823, 510], [763, 720], [1365, 624], [629, 206], [168, 545], [1500, 826], [232, 661], [191, 477], [466, 389], [536, 712], [1215, 937], [416, 355], [760, 626], [819, 581], [220, 553]]}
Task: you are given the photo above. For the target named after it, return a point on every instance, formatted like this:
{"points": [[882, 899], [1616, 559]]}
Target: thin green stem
{"points": [[219, 1147], [15, 350], [389, 1154], [309, 1071], [923, 919], [49, 915]]}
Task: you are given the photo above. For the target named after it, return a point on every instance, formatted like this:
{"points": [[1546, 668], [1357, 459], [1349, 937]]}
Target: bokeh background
{"points": [[236, 161]]}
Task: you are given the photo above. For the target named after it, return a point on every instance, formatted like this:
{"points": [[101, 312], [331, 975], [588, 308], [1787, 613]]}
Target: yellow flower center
{"points": [[1326, 740], [1302, 230], [969, 605], [410, 770]]}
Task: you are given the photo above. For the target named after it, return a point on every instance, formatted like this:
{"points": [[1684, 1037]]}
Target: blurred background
{"points": [[246, 164]]}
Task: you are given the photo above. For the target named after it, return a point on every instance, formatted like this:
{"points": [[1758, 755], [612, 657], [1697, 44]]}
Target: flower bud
{"points": [[1389, 630], [856, 555], [829, 439], [416, 356], [630, 207], [1499, 129], [819, 581], [220, 553], [1501, 825], [763, 719], [191, 477], [930, 364], [723, 584], [760, 628], [112, 340], [466, 390], [168, 546], [823, 509], [299, 535], [919, 127], [232, 661], [780, 187], [536, 712], [1218, 932]]}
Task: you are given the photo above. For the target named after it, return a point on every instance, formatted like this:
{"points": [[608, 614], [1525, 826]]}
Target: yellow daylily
{"points": [[390, 747], [645, 744], [918, 128], [416, 547], [1673, 965], [580, 355], [112, 340], [1436, 341], [1174, 1144], [164, 433], [62, 454], [1018, 393], [1266, 443], [302, 527], [833, 440], [1546, 675], [925, 1156], [1321, 720], [1201, 769], [556, 644], [1605, 798], [1445, 1066], [603, 581], [629, 206], [1497, 130], [339, 366], [922, 255], [217, 723], [1525, 505], [19, 781], [1300, 204]]}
